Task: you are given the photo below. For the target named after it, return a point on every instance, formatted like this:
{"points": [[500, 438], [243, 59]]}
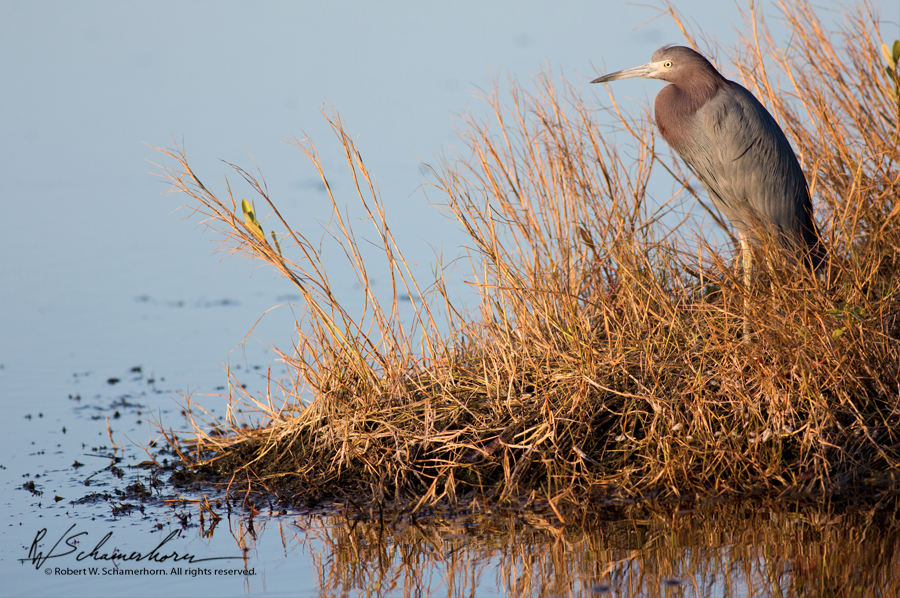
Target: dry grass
{"points": [[604, 359]]}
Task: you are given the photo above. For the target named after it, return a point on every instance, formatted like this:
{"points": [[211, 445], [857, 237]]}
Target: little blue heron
{"points": [[736, 148]]}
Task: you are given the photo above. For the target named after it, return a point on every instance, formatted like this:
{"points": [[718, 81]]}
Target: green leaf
{"points": [[275, 242], [886, 52], [837, 333], [257, 230], [251, 222], [896, 52], [245, 207]]}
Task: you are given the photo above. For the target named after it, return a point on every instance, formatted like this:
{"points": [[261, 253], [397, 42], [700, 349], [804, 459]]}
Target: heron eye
{"points": [[667, 64]]}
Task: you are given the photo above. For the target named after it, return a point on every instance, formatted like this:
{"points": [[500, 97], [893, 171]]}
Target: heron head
{"points": [[669, 63]]}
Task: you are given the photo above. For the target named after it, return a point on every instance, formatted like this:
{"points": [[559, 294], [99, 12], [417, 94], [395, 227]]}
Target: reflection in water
{"points": [[724, 550]]}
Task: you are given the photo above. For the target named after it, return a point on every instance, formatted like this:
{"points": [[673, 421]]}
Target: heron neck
{"points": [[677, 104]]}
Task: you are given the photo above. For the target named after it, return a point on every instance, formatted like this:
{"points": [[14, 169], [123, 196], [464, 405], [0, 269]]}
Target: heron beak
{"points": [[645, 71]]}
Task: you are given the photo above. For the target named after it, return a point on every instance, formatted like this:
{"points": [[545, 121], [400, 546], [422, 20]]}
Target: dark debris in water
{"points": [[137, 490], [92, 498], [121, 509], [130, 485], [29, 485]]}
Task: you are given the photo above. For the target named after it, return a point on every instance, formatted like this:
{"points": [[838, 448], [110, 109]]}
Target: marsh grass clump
{"points": [[604, 358]]}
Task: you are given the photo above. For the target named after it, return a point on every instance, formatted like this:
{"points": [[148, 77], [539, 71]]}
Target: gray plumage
{"points": [[735, 147]]}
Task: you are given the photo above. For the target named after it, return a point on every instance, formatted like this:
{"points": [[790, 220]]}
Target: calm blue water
{"points": [[101, 274]]}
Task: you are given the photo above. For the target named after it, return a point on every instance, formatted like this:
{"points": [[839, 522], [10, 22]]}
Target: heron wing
{"points": [[748, 166]]}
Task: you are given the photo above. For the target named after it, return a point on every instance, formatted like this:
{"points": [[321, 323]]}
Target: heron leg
{"points": [[747, 261]]}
